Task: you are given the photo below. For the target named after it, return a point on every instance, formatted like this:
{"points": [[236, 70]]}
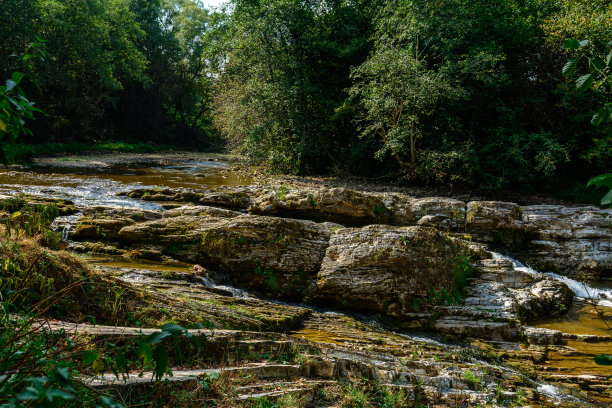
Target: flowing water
{"points": [[89, 182], [95, 182]]}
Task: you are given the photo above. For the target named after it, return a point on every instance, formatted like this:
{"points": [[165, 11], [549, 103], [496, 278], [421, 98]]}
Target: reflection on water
{"points": [[582, 318], [98, 184]]}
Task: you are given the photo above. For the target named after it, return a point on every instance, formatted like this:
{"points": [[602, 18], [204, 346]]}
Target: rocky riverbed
{"points": [[428, 294]]}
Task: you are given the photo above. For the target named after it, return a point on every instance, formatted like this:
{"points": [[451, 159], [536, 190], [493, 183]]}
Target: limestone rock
{"points": [[277, 255], [574, 241], [494, 221], [442, 213], [347, 207], [200, 210], [104, 223], [546, 298], [385, 269], [540, 336]]}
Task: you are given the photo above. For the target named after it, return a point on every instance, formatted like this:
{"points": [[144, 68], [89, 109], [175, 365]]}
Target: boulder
{"points": [[540, 336], [446, 214], [546, 298], [347, 207], [573, 241], [276, 255], [104, 223], [495, 222], [385, 269]]}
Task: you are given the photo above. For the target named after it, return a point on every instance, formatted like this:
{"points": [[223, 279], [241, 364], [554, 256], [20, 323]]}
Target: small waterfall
{"points": [[65, 224], [235, 292], [582, 290]]}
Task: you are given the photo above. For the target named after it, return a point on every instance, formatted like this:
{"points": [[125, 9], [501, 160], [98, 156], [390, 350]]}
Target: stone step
{"points": [[260, 370], [275, 394], [482, 329]]}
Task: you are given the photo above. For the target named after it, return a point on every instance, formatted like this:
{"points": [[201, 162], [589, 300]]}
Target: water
{"points": [[582, 290], [92, 181]]}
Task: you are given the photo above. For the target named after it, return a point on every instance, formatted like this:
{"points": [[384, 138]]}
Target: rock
{"points": [[148, 254], [497, 222], [11, 204], [237, 198], [104, 223], [279, 256], [200, 210], [442, 213], [385, 269], [400, 209], [540, 336], [347, 207], [573, 241], [546, 298]]}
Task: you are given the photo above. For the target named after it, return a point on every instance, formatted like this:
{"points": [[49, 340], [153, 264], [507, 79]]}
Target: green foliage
{"points": [[15, 107], [604, 360], [606, 181], [40, 365], [286, 73], [471, 378], [598, 78]]}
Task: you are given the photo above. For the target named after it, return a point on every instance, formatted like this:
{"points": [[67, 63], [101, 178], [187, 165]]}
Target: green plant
{"points": [[471, 378], [606, 181], [15, 107], [207, 380], [604, 360], [282, 193], [599, 75]]}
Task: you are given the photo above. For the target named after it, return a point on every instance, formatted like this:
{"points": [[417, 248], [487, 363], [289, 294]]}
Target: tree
{"points": [[284, 78]]}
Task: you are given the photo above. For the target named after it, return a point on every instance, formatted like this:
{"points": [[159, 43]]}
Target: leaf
{"points": [[604, 359], [63, 373], [2, 125], [173, 329], [570, 66], [584, 82], [17, 77], [53, 393], [10, 84], [89, 357], [121, 362], [607, 199], [584, 43], [598, 117], [603, 180], [596, 65], [571, 44], [160, 355], [145, 352], [156, 337], [111, 403], [29, 394]]}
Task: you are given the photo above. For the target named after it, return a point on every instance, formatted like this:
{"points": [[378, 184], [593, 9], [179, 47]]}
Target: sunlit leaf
{"points": [[584, 82], [570, 66], [603, 180]]}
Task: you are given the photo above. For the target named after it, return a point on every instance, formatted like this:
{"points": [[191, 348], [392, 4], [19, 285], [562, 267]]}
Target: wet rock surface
{"points": [[407, 264], [575, 241]]}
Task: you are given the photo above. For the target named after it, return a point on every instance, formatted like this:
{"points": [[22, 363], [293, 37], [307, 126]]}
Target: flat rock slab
{"points": [[262, 370]]}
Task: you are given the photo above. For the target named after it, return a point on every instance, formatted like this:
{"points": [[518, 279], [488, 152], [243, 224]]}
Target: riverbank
{"points": [[402, 292]]}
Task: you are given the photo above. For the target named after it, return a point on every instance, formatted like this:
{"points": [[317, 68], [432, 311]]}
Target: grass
{"points": [[25, 151]]}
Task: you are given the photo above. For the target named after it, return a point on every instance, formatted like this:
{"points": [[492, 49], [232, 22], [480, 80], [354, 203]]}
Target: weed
{"points": [[471, 378]]}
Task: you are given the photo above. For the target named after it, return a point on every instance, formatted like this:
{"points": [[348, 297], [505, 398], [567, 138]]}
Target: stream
{"points": [[90, 182]]}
